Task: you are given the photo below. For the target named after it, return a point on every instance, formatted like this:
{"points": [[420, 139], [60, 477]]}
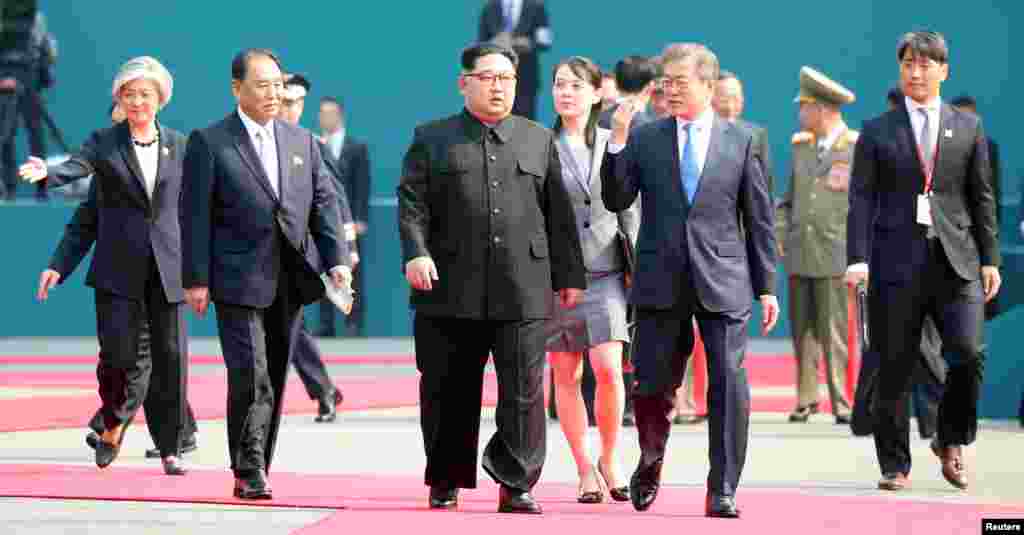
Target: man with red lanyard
{"points": [[922, 222]]}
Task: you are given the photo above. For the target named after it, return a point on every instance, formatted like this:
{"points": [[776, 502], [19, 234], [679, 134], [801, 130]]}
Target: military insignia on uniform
{"points": [[166, 151], [802, 137], [296, 160], [949, 133]]}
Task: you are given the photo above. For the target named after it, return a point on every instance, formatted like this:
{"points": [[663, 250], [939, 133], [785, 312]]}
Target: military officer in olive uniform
{"points": [[811, 224]]}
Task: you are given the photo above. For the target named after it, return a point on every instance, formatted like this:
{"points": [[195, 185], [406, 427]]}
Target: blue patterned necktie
{"points": [[688, 171]]}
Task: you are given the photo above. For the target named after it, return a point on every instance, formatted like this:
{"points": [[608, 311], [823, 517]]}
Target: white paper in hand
{"points": [[341, 298]]}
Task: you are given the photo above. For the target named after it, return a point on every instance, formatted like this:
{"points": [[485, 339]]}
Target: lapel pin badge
{"points": [[296, 160], [166, 151], [949, 132]]}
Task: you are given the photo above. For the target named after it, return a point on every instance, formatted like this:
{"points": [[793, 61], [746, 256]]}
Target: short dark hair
{"points": [[965, 101], [894, 96], [478, 50], [931, 45], [633, 73], [240, 64], [299, 80], [335, 101]]}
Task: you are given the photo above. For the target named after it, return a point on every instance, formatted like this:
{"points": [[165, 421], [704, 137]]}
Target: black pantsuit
{"points": [[451, 354], [958, 308], [136, 271]]}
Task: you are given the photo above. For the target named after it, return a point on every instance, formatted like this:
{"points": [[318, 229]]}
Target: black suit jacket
{"points": [[354, 169], [532, 17], [724, 239], [501, 232], [127, 227], [886, 179], [340, 190], [232, 223]]}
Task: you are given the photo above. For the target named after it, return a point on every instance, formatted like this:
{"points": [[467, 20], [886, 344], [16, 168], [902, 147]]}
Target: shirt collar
{"points": [[702, 122], [832, 136], [930, 107], [252, 126]]}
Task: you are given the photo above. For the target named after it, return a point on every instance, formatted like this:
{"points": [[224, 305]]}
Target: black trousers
{"points": [[154, 413], [957, 306], [450, 355], [665, 340], [29, 109], [125, 374], [309, 365], [257, 345]]}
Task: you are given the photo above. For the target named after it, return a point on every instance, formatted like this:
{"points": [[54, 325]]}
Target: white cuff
{"points": [[859, 267], [615, 148], [341, 269], [544, 36]]}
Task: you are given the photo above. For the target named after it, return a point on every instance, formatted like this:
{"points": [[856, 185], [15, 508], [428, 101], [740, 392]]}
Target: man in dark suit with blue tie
{"points": [[523, 26], [922, 223], [259, 226], [706, 248]]}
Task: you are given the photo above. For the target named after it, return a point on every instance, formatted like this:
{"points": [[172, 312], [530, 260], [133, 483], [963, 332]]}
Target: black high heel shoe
{"points": [[619, 494], [592, 496]]}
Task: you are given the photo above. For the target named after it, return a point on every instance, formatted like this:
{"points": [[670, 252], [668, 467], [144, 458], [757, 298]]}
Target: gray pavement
{"points": [[817, 458]]}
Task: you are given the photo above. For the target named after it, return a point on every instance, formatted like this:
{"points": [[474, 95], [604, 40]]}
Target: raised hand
{"points": [[33, 170]]}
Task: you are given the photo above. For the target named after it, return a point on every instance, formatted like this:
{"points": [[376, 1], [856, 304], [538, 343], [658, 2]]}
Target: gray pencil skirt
{"points": [[599, 318]]}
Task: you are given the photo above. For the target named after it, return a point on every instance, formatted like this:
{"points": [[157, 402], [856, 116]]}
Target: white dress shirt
{"points": [[149, 158], [335, 142], [932, 108], [917, 120], [701, 136], [269, 147]]}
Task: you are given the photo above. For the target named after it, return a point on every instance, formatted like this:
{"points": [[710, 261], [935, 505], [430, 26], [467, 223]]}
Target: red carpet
{"points": [[207, 393], [397, 504]]}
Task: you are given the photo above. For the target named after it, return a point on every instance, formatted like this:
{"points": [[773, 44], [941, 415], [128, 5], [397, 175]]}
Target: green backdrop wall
{"points": [[395, 64]]}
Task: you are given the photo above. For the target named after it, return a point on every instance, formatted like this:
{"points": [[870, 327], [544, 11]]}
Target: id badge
{"points": [[924, 210]]}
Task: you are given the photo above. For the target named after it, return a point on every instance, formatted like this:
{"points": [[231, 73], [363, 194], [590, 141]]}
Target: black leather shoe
{"points": [[644, 485], [842, 419], [517, 501], [106, 453], [173, 466], [442, 498], [187, 446], [92, 439], [255, 487], [328, 411], [802, 414], [628, 419], [718, 506]]}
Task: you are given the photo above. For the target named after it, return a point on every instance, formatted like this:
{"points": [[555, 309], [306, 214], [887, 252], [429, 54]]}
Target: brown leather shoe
{"points": [[894, 481], [952, 460]]}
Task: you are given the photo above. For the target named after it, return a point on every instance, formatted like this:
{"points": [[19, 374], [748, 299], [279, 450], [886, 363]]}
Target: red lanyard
{"points": [[925, 168]]}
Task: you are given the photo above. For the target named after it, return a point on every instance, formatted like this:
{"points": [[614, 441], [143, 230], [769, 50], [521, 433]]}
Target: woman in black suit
{"points": [[136, 167]]}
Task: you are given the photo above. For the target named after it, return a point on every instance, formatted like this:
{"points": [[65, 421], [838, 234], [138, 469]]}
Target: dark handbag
{"points": [[628, 252], [862, 420]]}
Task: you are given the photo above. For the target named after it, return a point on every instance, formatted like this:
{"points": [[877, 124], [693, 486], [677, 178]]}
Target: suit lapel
{"points": [[672, 134], [566, 152], [164, 158], [600, 144], [131, 162], [715, 140], [248, 153], [909, 142], [944, 144], [284, 160]]}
